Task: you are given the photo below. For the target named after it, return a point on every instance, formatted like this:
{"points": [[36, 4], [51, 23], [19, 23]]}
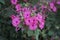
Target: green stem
{"points": [[36, 37]]}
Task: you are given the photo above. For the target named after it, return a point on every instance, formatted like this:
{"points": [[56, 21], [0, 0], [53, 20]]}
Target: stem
{"points": [[36, 37]]}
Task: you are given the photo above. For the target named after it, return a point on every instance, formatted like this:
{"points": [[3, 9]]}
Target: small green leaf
{"points": [[33, 1], [50, 33], [30, 32], [43, 33]]}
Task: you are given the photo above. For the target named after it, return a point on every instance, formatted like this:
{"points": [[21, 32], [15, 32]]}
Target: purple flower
{"points": [[26, 12], [14, 2], [39, 17], [51, 5], [41, 20], [54, 9], [12, 16], [33, 24], [41, 25], [33, 27], [16, 21], [28, 21], [43, 6], [18, 7], [24, 9], [58, 2], [34, 20]]}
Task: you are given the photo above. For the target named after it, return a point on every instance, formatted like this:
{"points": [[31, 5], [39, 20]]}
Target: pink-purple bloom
{"points": [[42, 23], [34, 21], [28, 21], [26, 12], [32, 27], [39, 17], [41, 20], [12, 16], [16, 22], [58, 2], [51, 5], [18, 7], [14, 2], [43, 6], [54, 9], [31, 22]]}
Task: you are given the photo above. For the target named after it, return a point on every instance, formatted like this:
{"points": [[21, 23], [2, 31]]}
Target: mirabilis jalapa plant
{"points": [[31, 18]]}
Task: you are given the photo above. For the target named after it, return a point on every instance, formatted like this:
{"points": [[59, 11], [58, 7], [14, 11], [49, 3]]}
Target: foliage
{"points": [[51, 30]]}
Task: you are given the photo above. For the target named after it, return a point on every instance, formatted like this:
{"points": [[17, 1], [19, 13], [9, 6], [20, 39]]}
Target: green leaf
{"points": [[7, 12], [2, 1], [43, 33], [33, 1], [37, 32], [30, 32], [50, 33]]}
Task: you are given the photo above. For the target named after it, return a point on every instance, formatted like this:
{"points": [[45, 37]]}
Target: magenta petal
{"points": [[38, 16], [51, 5], [26, 15], [14, 2], [12, 16], [28, 21], [41, 26], [33, 27], [18, 7], [58, 2], [54, 9], [15, 21]]}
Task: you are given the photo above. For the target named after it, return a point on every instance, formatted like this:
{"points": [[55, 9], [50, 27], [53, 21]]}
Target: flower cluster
{"points": [[31, 17]]}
